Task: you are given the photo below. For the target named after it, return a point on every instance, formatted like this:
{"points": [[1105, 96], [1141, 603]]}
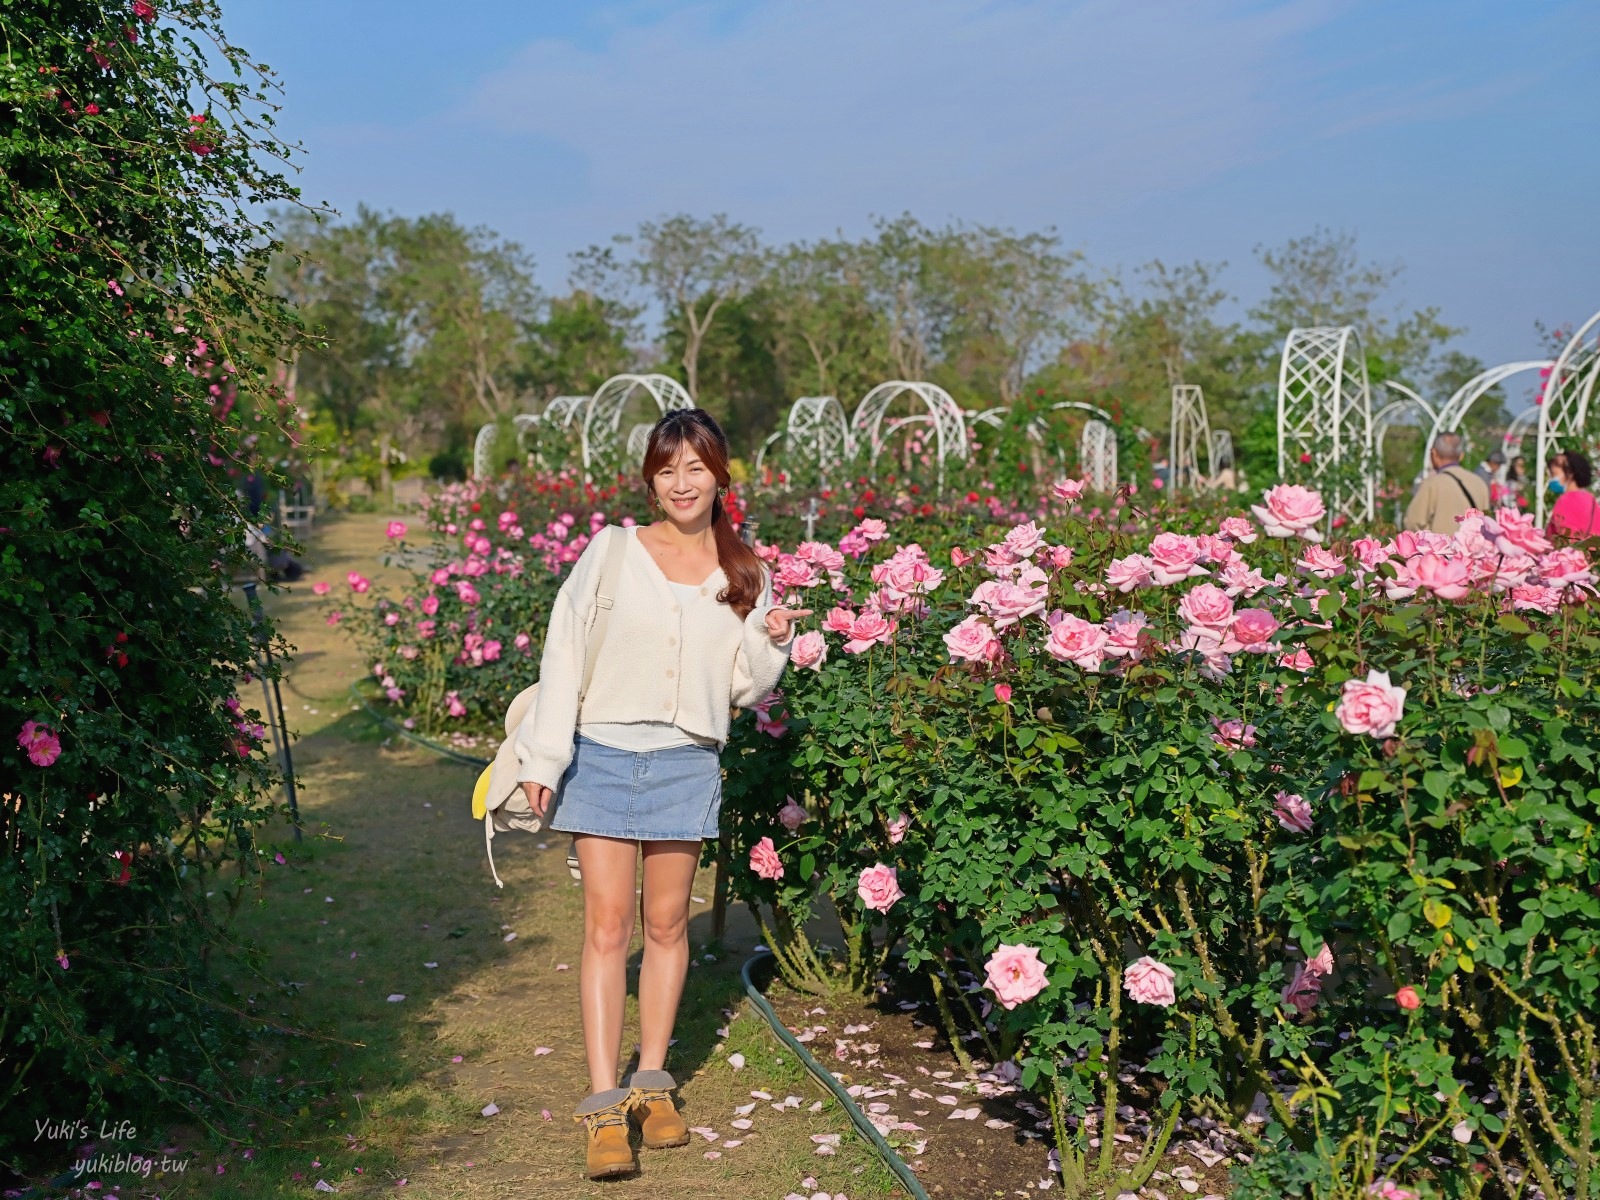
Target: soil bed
{"points": [[970, 1134]]}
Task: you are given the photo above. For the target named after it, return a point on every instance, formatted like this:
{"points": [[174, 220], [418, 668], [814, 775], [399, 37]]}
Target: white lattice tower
{"points": [[482, 448], [1454, 410], [1325, 412], [949, 425], [602, 416], [1097, 450], [1564, 411], [1221, 449], [1190, 435], [563, 411]]}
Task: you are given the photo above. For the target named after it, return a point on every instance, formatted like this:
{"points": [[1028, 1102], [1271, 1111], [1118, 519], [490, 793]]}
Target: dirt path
{"points": [[389, 896]]}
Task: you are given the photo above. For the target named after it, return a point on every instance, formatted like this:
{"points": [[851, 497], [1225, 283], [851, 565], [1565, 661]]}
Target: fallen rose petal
{"points": [[713, 1154], [744, 1110], [826, 1139], [544, 1114], [733, 1145], [397, 997], [511, 937], [705, 1131], [742, 1123], [736, 1061], [563, 967], [489, 1110], [541, 1050]]}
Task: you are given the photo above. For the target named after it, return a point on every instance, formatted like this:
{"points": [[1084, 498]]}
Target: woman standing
{"points": [[634, 765], [1576, 514]]}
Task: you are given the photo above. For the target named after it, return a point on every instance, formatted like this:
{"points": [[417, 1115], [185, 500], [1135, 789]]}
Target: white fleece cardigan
{"points": [[662, 660]]}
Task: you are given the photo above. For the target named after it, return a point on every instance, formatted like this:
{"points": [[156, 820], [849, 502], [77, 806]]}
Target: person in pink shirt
{"points": [[1576, 514]]}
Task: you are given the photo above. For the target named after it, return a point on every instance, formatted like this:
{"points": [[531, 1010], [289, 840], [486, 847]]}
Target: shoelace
{"points": [[652, 1096], [604, 1118]]}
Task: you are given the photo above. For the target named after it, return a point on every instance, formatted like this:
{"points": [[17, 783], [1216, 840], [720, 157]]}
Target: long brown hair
{"points": [[700, 430]]}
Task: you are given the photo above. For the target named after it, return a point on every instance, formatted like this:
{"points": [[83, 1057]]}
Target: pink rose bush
{"points": [[1290, 510], [1371, 706], [764, 860], [879, 887]]}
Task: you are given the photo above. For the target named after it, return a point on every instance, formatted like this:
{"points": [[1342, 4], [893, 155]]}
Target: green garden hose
{"points": [[826, 1078], [389, 723]]}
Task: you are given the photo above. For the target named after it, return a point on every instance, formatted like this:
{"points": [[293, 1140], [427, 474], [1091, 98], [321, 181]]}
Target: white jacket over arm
{"points": [[664, 658]]}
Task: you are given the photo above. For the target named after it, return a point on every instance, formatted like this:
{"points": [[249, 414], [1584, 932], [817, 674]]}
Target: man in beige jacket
{"points": [[1443, 497]]}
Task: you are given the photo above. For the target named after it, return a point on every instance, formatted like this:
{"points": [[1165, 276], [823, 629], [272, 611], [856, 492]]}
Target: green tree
{"points": [[131, 161]]}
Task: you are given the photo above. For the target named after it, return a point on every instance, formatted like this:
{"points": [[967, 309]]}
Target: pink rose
{"points": [[1232, 734], [1009, 603], [1515, 531], [764, 860], [396, 529], [1059, 557], [810, 649], [897, 828], [1128, 573], [1207, 605], [791, 816], [1567, 567], [1074, 640], [838, 620], [491, 650], [1253, 629], [1535, 597], [440, 577], [1408, 999], [1388, 1189], [425, 629], [879, 888], [453, 705], [1299, 660], [1370, 553], [522, 642], [1174, 557], [1290, 510], [1068, 490], [319, 588], [973, 640], [466, 593], [1150, 982], [959, 557], [1371, 706], [1446, 578], [358, 583], [1319, 562], [1024, 540], [40, 743], [868, 630], [430, 605], [1238, 578], [1293, 812], [1002, 693], [1304, 988], [1238, 529], [1128, 635], [1016, 974]]}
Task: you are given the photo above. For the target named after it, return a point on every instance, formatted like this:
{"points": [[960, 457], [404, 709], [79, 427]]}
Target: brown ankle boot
{"points": [[605, 1118], [650, 1103]]}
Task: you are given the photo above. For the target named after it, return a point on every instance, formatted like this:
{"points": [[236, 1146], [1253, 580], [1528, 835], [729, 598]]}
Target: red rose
{"points": [[144, 11], [1408, 999], [859, 511]]}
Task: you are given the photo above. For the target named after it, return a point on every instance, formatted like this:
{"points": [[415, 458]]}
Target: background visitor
{"points": [[1575, 513], [1445, 496]]}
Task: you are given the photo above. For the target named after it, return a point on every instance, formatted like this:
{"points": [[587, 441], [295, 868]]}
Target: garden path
{"points": [[389, 896]]}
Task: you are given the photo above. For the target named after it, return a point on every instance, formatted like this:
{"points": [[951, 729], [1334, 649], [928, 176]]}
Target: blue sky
{"points": [[1462, 138]]}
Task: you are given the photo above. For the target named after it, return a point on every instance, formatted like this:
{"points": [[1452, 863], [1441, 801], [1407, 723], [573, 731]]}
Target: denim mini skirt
{"points": [[668, 795]]}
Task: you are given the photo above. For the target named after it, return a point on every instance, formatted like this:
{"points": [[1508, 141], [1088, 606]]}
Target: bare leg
{"points": [[608, 907], [668, 876]]}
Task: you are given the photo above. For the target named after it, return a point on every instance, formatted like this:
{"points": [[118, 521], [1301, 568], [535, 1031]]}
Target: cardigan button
{"points": [[704, 591], [672, 641], [669, 672]]}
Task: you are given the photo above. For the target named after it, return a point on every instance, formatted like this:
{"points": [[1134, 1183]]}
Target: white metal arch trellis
{"points": [[1393, 413], [602, 416], [639, 440], [1098, 453], [1190, 431], [1454, 410], [767, 444], [482, 448], [1517, 431], [1325, 414], [1564, 410], [989, 416], [949, 424]]}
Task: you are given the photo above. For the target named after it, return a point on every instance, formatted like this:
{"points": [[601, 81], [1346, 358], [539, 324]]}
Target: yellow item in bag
{"points": [[480, 794]]}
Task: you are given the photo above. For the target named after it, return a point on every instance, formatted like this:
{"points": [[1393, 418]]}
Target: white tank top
{"points": [[639, 736]]}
